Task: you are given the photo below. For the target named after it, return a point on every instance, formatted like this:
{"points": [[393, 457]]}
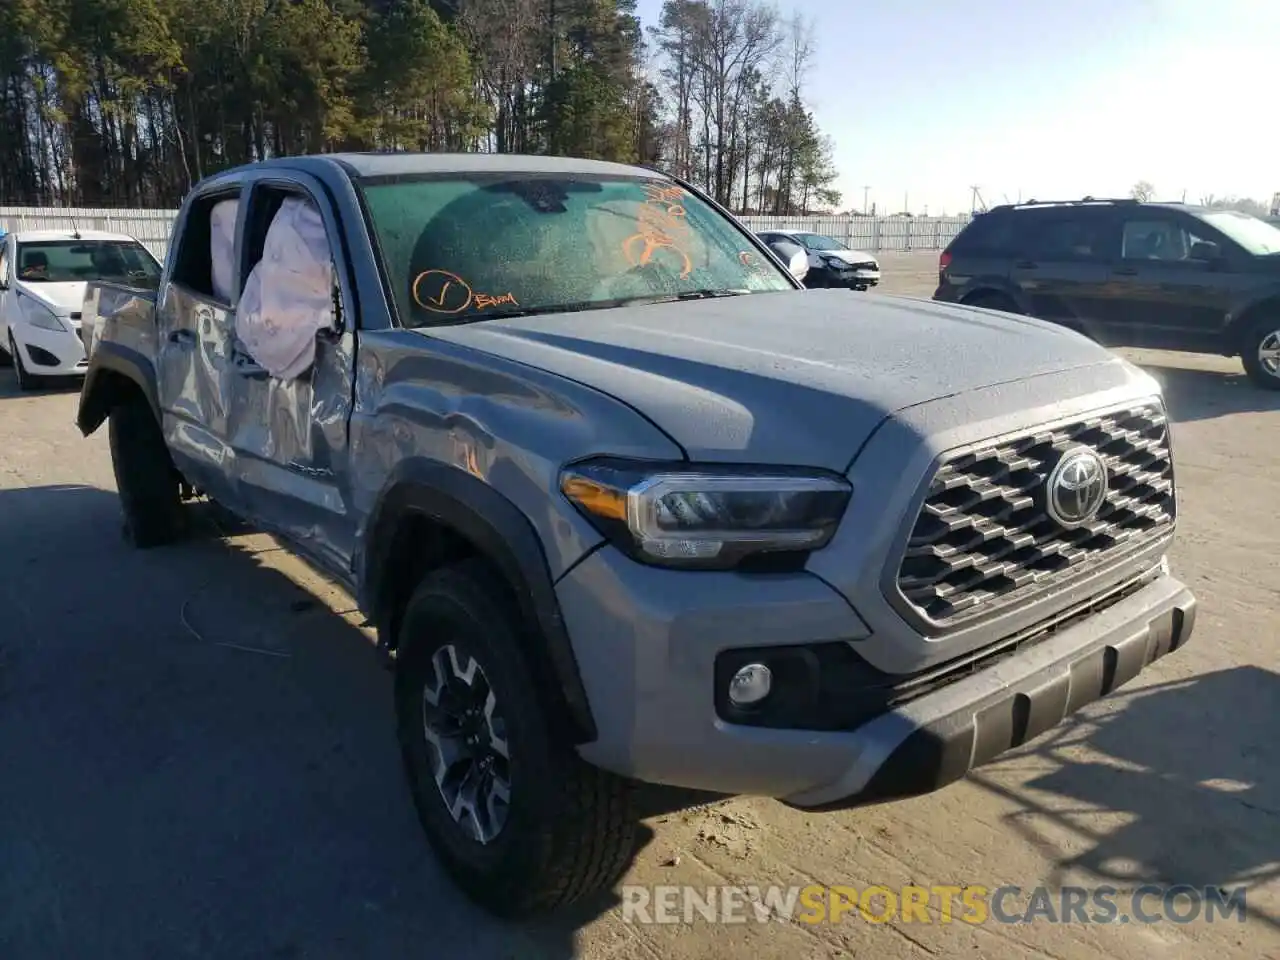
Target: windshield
{"points": [[1256, 236], [469, 247], [69, 261], [816, 241]]}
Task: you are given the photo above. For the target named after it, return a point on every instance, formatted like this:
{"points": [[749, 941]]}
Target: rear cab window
{"points": [[203, 263], [465, 247]]}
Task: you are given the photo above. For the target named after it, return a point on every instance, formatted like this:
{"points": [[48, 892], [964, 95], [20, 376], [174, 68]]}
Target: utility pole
{"points": [[866, 193]]}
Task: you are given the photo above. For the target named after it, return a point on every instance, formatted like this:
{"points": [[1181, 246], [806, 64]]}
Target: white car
{"points": [[42, 285], [831, 263]]}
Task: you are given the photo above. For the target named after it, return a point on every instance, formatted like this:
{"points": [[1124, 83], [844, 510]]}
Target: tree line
{"points": [[1144, 192], [127, 103]]}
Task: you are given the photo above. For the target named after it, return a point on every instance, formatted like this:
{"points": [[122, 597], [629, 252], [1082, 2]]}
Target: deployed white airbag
{"points": [[222, 246], [288, 297]]}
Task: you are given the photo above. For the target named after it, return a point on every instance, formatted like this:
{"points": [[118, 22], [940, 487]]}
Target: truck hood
{"points": [[798, 377], [61, 298]]}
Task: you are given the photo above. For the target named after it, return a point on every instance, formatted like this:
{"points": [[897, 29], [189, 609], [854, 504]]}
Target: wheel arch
{"points": [[429, 514], [989, 290], [114, 374], [1268, 305]]}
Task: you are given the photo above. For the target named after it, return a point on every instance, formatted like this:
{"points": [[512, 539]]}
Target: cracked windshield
{"points": [[555, 244]]}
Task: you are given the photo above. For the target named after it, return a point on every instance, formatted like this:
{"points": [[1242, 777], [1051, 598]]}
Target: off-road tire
{"points": [[25, 380], [570, 828], [1255, 336], [145, 476], [991, 300]]}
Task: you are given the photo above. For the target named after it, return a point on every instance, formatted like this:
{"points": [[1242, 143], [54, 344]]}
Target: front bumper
{"points": [[51, 353], [855, 279], [647, 641]]}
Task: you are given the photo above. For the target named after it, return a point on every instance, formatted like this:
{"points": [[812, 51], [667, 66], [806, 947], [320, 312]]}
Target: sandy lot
{"points": [[196, 754]]}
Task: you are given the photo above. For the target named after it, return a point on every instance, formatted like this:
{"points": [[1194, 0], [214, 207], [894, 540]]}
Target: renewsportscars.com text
{"points": [[938, 904]]}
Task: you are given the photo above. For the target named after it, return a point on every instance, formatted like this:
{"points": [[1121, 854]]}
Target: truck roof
{"points": [[407, 164]]}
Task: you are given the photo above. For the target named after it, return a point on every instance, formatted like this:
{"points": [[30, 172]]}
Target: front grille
{"points": [[983, 539]]}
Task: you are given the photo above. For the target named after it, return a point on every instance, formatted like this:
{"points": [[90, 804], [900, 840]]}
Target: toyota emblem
{"points": [[1076, 487]]}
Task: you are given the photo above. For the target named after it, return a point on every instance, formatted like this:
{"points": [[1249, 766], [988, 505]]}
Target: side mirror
{"points": [[1206, 251], [793, 256]]}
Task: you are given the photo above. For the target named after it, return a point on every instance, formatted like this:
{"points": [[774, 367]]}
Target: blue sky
{"points": [[1048, 100]]}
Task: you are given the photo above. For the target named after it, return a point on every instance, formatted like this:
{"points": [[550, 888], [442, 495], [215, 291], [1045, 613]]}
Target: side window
{"points": [[986, 236], [289, 292], [207, 237], [1158, 239], [1065, 237], [1152, 240]]}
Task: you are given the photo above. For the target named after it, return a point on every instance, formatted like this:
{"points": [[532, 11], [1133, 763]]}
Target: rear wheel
{"points": [[991, 300], [519, 820], [1260, 353], [149, 486]]}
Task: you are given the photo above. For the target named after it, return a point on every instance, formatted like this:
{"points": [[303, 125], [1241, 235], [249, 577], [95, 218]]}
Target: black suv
{"points": [[1164, 275]]}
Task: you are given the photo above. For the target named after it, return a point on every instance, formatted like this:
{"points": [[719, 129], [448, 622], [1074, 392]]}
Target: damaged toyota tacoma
{"points": [[626, 504]]}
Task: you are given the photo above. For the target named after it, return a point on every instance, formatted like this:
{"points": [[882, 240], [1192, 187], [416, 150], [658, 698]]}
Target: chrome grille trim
{"points": [[983, 541]]}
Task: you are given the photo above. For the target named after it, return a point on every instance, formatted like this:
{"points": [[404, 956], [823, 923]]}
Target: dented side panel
{"points": [[506, 424], [193, 372]]}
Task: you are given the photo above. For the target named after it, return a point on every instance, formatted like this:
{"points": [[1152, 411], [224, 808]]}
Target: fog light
{"points": [[750, 684]]}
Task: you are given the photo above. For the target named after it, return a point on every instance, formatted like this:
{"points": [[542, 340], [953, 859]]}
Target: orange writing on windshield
{"points": [[661, 228], [752, 263], [442, 291]]}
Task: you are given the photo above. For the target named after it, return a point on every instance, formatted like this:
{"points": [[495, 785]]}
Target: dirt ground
{"points": [[196, 753]]}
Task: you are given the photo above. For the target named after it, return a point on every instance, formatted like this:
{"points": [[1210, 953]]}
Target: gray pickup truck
{"points": [[626, 504]]}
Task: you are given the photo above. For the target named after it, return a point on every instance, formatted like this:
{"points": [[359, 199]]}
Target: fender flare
{"points": [[502, 533], [112, 364], [990, 287], [1244, 314]]}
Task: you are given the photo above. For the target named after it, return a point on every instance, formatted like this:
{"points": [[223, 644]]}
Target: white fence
{"points": [[859, 233], [149, 226], [871, 233]]}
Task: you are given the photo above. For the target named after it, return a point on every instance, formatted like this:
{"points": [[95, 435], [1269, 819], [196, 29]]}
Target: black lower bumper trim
{"points": [[948, 748]]}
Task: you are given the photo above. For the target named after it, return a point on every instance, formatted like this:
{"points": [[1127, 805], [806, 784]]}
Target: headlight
{"points": [[41, 316], [835, 263], [684, 515]]}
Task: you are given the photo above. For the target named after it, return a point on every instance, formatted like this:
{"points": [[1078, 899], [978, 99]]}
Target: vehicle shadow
{"points": [[1186, 771], [1197, 394], [9, 383], [199, 759]]}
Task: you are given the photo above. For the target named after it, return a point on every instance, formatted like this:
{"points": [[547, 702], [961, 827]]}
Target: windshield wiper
{"points": [[709, 293], [599, 304], [704, 294]]}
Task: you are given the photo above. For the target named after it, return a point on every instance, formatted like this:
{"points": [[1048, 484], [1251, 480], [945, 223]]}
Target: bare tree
{"points": [[1142, 191]]}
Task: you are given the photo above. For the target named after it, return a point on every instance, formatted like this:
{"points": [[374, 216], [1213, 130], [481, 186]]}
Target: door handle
{"points": [[182, 337], [1125, 271], [1026, 265]]}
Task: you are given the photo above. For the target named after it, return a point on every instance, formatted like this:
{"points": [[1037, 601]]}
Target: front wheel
{"points": [[521, 823], [148, 484], [25, 380], [1260, 353]]}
